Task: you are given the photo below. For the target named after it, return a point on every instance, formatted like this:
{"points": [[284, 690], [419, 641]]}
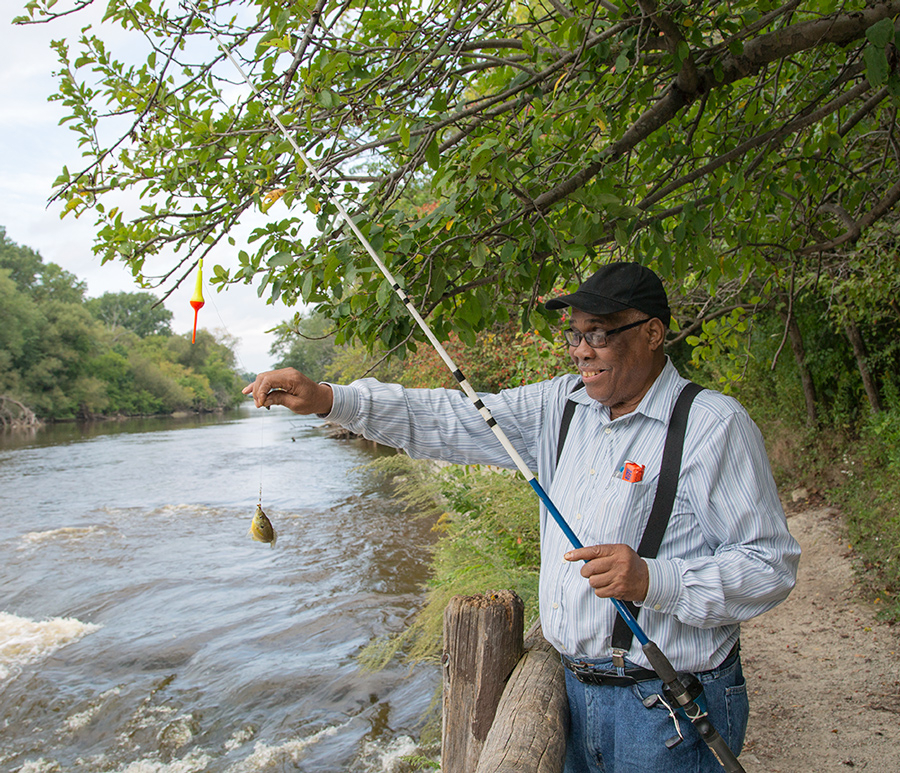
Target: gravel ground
{"points": [[823, 675]]}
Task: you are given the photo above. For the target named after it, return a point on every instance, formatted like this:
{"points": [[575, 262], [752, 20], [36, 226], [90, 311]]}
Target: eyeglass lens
{"points": [[596, 339]]}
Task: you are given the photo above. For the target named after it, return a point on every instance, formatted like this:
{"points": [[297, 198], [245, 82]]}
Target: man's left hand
{"points": [[614, 571]]}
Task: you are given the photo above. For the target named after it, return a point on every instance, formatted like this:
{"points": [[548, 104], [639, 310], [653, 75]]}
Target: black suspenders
{"points": [[669, 471], [568, 412]]}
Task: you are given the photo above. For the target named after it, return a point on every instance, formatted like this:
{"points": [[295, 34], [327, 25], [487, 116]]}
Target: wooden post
{"points": [[482, 644], [532, 721]]}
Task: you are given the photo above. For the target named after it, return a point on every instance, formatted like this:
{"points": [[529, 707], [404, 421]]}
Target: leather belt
{"points": [[591, 674]]}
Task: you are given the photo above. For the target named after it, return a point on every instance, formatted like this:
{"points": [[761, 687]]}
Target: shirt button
{"points": [[555, 605], [657, 607], [593, 472], [608, 430], [578, 517]]}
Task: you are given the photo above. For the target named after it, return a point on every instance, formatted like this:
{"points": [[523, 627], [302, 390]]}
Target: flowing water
{"points": [[143, 631]]}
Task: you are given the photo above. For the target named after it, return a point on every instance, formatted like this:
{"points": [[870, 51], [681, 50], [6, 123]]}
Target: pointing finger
{"points": [[586, 553]]}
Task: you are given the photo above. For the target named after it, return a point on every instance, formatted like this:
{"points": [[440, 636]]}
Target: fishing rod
{"points": [[682, 691]]}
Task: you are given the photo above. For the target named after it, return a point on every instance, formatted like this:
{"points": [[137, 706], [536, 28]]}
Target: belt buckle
{"points": [[582, 671], [588, 674]]}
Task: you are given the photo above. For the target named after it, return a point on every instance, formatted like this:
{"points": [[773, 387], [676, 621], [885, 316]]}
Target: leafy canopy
{"points": [[489, 150], [141, 313]]}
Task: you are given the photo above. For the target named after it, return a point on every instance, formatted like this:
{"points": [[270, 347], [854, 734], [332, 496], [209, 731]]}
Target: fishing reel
{"points": [[693, 689]]}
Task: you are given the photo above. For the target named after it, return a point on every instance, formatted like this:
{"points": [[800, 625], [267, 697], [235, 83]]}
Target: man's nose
{"points": [[582, 350]]}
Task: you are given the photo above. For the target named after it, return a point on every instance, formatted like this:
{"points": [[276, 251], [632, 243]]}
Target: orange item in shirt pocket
{"points": [[633, 472]]}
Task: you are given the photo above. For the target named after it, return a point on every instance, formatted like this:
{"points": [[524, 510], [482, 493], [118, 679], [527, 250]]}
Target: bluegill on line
{"points": [[261, 528]]}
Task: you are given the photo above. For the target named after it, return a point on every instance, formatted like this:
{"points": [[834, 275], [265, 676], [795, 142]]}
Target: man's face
{"points": [[619, 374]]}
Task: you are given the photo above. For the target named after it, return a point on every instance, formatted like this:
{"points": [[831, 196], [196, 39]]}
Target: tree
{"points": [[141, 313], [213, 359], [23, 264], [20, 318], [747, 145], [40, 281], [53, 362], [57, 361]]}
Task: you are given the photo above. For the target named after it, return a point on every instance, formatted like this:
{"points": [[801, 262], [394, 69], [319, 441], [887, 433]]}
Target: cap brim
{"points": [[589, 302]]}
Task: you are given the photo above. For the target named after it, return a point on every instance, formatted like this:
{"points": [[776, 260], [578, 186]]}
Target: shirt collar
{"points": [[656, 404]]}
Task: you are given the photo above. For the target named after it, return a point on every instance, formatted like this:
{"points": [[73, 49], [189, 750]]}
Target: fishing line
{"points": [[246, 370], [658, 660], [261, 455]]}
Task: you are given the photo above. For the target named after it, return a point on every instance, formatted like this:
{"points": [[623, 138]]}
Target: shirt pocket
{"points": [[625, 510]]}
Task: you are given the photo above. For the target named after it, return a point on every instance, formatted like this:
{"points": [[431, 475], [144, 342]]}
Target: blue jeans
{"points": [[613, 732]]}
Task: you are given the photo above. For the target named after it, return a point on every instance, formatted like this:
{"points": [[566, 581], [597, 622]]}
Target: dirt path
{"points": [[824, 677]]}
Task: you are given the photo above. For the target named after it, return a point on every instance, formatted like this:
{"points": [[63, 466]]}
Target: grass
{"points": [[488, 525], [870, 499], [489, 540]]}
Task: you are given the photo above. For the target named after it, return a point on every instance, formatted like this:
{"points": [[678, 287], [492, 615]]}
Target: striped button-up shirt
{"points": [[726, 555]]}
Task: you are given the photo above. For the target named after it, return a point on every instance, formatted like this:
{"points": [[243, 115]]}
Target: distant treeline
{"points": [[66, 356]]}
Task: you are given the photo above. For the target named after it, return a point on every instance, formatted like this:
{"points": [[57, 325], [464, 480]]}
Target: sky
{"points": [[33, 150]]}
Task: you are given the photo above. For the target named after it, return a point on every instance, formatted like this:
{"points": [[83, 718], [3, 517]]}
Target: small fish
{"points": [[261, 527]]}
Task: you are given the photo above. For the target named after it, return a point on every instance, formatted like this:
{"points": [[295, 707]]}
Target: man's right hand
{"points": [[289, 387]]}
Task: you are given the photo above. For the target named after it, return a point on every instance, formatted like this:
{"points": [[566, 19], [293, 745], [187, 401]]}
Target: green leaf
{"points": [[881, 33], [466, 333], [479, 161], [63, 178], [280, 259], [326, 99], [471, 310], [433, 154], [383, 293], [307, 285], [876, 65], [606, 199], [527, 43], [894, 84]]}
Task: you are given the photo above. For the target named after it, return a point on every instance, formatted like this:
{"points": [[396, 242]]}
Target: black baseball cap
{"points": [[617, 287]]}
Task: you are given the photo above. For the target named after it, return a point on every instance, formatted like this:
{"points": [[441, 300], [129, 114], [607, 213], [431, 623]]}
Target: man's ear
{"points": [[656, 333]]}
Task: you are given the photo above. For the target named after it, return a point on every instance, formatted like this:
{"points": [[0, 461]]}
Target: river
{"points": [[143, 631]]}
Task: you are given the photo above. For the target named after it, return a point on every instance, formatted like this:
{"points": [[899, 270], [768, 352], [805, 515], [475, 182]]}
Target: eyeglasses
{"points": [[596, 339]]}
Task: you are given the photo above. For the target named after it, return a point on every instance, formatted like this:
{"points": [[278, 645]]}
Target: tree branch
{"points": [[853, 233], [775, 134], [839, 29]]}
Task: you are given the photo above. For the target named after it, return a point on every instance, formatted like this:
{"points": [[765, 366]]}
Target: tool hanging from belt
{"points": [[661, 511]]}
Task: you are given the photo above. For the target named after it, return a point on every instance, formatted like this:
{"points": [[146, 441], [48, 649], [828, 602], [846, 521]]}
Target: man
{"points": [[726, 554]]}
